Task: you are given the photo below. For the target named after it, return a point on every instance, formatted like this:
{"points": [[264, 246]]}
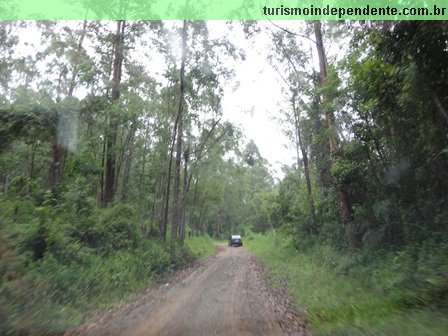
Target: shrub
{"points": [[117, 229]]}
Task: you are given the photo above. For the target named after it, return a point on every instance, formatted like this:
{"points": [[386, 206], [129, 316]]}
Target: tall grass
{"points": [[343, 295], [200, 247]]}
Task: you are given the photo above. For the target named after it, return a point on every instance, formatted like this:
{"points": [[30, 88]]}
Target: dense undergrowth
{"points": [[61, 262], [394, 293]]}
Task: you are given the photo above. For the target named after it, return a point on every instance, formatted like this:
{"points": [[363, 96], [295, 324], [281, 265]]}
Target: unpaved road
{"points": [[227, 294]]}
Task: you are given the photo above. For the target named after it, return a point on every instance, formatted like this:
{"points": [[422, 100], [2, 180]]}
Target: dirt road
{"points": [[227, 294]]}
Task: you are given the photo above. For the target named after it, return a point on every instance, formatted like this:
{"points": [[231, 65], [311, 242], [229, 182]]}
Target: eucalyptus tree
{"points": [[119, 41], [17, 72], [67, 66], [199, 80], [352, 234], [292, 63], [120, 95], [9, 40], [215, 199], [177, 214]]}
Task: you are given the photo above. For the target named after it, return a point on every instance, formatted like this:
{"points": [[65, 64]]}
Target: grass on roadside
{"points": [[53, 297], [339, 304], [200, 247]]}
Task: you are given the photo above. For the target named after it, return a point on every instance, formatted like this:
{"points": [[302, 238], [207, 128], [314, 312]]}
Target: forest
{"points": [[114, 171]]}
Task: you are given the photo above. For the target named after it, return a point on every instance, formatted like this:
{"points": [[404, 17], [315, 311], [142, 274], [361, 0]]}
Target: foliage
{"points": [[52, 273], [200, 246], [92, 141], [347, 294]]}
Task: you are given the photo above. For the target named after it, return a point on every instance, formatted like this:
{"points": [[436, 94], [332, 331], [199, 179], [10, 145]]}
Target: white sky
{"points": [[254, 103], [258, 99]]}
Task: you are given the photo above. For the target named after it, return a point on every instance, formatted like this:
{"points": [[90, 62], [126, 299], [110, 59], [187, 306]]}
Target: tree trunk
{"points": [[72, 83], [186, 187], [176, 187], [143, 164], [218, 224], [56, 167], [351, 231], [59, 147], [103, 167], [202, 213], [164, 224], [110, 187], [127, 168], [126, 159], [160, 201], [301, 145], [195, 202], [323, 74], [32, 152]]}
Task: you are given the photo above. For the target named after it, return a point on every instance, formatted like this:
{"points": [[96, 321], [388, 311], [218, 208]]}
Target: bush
{"points": [[117, 229], [73, 260]]}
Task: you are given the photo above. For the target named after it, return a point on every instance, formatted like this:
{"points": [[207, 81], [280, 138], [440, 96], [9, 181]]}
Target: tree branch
{"points": [[292, 33]]}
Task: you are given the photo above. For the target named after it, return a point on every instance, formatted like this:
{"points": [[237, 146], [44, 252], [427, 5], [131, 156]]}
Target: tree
{"points": [[111, 135], [352, 230], [177, 214]]}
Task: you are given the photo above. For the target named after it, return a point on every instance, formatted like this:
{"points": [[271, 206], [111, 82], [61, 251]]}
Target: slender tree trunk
{"points": [[321, 149], [103, 167], [126, 173], [186, 187], [143, 165], [301, 145], [167, 191], [161, 196], [195, 224], [329, 116], [164, 224], [58, 152], [176, 187], [126, 159], [120, 156], [142, 174], [72, 84], [200, 220], [32, 153], [218, 224], [110, 187]]}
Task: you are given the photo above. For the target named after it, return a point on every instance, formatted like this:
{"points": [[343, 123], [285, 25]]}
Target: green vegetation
{"points": [[113, 172], [363, 215], [201, 247], [110, 162], [66, 263], [345, 294]]}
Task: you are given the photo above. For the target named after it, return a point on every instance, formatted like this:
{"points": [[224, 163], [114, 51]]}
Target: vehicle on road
{"points": [[235, 240]]}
